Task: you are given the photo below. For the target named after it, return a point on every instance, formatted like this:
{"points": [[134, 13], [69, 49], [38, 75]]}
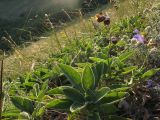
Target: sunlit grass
{"points": [[23, 59]]}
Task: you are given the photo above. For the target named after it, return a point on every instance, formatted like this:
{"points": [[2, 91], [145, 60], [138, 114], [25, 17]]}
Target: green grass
{"points": [[84, 48], [36, 53]]}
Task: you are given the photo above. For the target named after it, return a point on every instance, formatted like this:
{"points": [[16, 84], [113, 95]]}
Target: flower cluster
{"points": [[103, 18]]}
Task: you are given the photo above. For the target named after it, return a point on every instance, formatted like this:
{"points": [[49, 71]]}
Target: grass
{"points": [[25, 58]]}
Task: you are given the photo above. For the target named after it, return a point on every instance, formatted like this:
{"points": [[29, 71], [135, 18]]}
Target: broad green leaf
{"points": [[88, 78], [96, 75], [116, 86], [102, 92], [51, 73], [36, 89], [119, 87], [45, 85], [43, 90], [60, 104], [150, 73], [124, 56], [108, 108], [41, 111], [24, 104], [77, 106], [38, 108], [72, 75], [109, 61], [11, 113], [82, 65], [112, 97], [129, 69], [99, 69], [123, 89], [95, 59], [73, 94], [29, 84], [90, 96], [57, 90]]}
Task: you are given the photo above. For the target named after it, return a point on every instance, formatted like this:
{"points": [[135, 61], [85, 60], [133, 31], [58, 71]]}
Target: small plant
{"points": [[85, 94], [31, 107]]}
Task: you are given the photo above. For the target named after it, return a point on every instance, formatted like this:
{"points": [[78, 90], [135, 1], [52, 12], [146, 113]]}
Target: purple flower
{"points": [[136, 31], [149, 84], [138, 36]]}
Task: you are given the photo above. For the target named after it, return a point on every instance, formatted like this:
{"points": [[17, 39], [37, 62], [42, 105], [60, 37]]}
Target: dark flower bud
{"points": [[100, 18], [114, 40], [107, 21]]}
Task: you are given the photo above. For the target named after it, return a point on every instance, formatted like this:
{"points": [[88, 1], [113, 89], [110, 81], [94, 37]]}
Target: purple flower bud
{"points": [[136, 31]]}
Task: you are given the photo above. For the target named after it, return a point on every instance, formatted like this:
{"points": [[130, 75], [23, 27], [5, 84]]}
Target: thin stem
{"points": [[1, 93], [57, 41]]}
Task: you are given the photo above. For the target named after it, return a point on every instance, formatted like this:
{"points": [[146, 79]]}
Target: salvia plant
{"points": [[84, 94]]}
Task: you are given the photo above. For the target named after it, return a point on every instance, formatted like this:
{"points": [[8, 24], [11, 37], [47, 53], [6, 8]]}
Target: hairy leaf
{"points": [[119, 87], [43, 90], [77, 106], [73, 94], [24, 104], [57, 90], [88, 78], [99, 69], [60, 104], [72, 75], [129, 69], [150, 73], [112, 97], [102, 92], [124, 56]]}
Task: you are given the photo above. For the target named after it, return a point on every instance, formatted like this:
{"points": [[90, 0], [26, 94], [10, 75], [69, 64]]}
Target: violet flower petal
{"points": [[139, 38]]}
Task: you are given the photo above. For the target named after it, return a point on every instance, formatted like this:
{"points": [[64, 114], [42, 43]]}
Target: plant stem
{"points": [[1, 93], [57, 41]]}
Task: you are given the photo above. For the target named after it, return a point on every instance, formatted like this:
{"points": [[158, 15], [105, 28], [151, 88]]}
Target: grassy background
{"points": [[24, 58], [16, 9], [24, 19]]}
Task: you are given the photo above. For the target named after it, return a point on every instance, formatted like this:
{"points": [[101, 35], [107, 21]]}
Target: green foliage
{"points": [[150, 73], [60, 104], [88, 79], [23, 103], [71, 74], [102, 72], [91, 98], [74, 95]]}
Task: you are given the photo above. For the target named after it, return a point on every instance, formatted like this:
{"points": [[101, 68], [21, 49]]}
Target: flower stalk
{"points": [[1, 88]]}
